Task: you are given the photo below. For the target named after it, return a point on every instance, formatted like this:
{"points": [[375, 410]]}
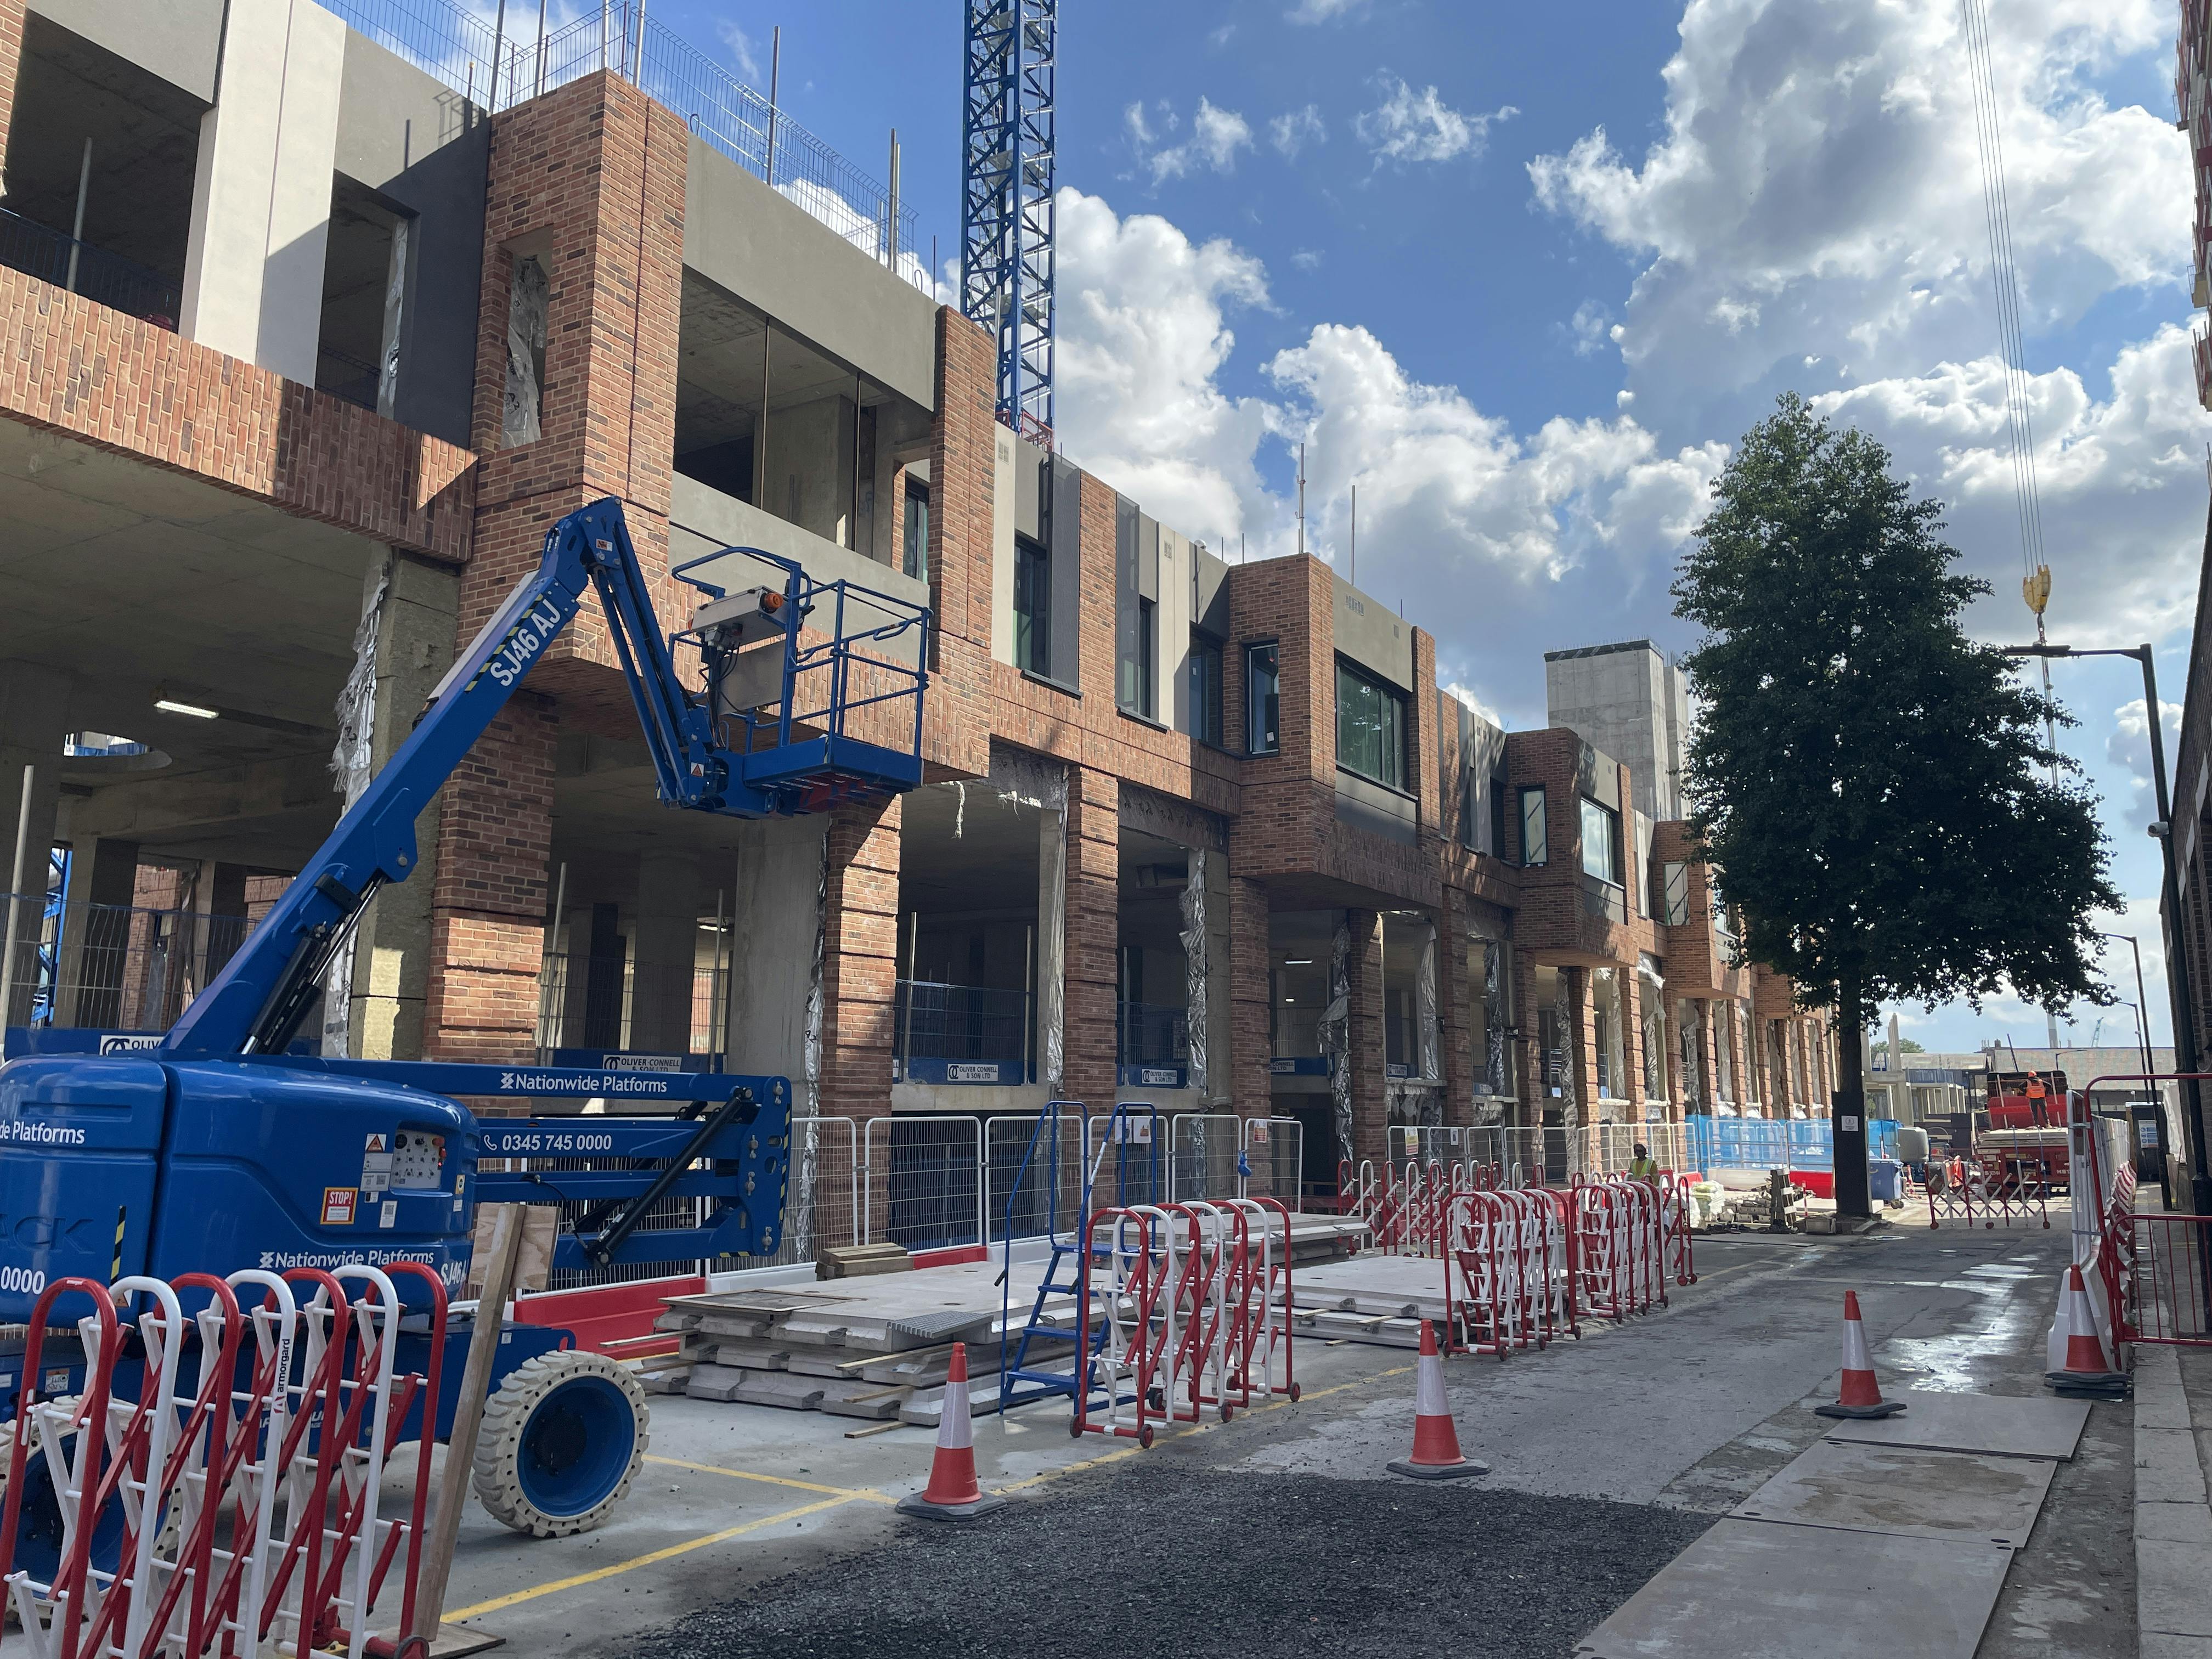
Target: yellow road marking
{"points": [[645, 1561], [868, 1493], [840, 1496]]}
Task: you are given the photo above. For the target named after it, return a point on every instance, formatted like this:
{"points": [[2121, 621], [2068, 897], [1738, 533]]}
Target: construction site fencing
{"points": [[112, 967], [924, 1181], [497, 59], [1187, 1314], [1555, 1156], [216, 1485]]}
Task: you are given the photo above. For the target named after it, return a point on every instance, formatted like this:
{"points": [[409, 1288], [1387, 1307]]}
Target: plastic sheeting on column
{"points": [[799, 1205], [1334, 1034], [1426, 1057], [521, 406], [1493, 1016], [353, 763], [1563, 1012], [1651, 1000], [1194, 967], [1034, 781]]}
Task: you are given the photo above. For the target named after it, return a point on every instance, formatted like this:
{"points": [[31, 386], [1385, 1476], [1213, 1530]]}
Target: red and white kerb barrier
{"points": [[218, 1478], [1189, 1307]]}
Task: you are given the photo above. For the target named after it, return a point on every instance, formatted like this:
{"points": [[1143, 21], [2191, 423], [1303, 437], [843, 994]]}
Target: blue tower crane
{"points": [[1006, 200]]}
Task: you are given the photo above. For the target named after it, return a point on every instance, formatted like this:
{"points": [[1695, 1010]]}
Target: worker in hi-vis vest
{"points": [[1642, 1166]]}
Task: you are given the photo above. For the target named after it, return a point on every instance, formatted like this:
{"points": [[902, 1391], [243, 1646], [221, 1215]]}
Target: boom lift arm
{"points": [[255, 1005]]}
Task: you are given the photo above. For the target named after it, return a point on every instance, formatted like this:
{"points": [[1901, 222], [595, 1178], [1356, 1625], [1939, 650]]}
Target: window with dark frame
{"points": [[1371, 727], [1535, 839], [1601, 841], [1206, 688], [1263, 689], [1032, 608], [917, 529]]}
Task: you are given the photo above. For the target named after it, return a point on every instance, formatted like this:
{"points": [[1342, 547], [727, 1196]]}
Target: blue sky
{"points": [[1524, 273]]}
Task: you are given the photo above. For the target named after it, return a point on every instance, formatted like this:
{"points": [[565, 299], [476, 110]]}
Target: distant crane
{"points": [[1005, 198]]}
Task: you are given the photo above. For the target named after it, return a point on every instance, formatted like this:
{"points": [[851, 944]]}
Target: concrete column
{"points": [[776, 920], [1250, 1079], [666, 952], [34, 711], [1455, 1041], [1632, 1082], [1092, 936], [1364, 1042], [94, 950], [392, 948], [1221, 1093], [1051, 1037], [261, 201]]}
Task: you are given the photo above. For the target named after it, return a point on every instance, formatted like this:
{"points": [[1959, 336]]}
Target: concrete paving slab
{"points": [[2158, 1644], [2166, 1469], [2173, 1595], [1748, 1590], [1992, 1425], [1906, 1491], [2175, 1523]]}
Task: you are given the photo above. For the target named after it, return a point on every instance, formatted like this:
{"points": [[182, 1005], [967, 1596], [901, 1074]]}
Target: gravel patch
{"points": [[1162, 1560]]}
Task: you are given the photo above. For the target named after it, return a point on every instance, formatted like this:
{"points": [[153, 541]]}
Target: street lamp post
{"points": [[2141, 1006], [2177, 961]]}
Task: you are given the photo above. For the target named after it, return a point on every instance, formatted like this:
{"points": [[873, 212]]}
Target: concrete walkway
{"points": [[2173, 1520]]}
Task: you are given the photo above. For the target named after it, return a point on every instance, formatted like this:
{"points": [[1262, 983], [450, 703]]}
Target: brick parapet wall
{"points": [[72, 367]]}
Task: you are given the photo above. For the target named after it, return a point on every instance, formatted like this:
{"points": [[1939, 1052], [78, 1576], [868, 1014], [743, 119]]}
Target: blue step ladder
{"points": [[1135, 1180]]}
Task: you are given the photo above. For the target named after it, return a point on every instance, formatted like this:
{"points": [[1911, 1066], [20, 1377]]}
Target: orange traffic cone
{"points": [[1436, 1441], [1861, 1396], [952, 1493], [2086, 1372]]}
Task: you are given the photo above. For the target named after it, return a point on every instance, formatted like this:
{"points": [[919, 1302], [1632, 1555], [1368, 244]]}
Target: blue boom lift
{"points": [[221, 1149]]}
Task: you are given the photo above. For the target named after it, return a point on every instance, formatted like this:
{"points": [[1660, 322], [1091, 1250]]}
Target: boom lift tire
{"points": [[564, 1434]]}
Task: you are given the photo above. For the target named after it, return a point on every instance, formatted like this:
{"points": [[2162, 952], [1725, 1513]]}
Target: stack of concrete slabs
{"points": [[1750, 1590], [1991, 1425]]}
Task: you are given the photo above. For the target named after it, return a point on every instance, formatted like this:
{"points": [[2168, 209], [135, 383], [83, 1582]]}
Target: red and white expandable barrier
{"points": [[248, 1495]]}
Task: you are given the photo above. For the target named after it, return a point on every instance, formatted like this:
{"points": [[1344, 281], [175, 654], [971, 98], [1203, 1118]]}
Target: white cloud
{"points": [[1817, 184], [743, 50], [1592, 328], [1323, 11], [1409, 127], [1453, 502], [1142, 335], [2121, 481], [2128, 746], [1215, 136], [1307, 258], [1294, 130], [1468, 695]]}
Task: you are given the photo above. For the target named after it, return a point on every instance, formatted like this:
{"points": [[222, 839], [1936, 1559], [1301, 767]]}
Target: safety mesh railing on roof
{"points": [[497, 59]]}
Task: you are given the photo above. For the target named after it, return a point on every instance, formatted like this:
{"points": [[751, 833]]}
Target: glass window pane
{"points": [[1598, 831], [1369, 728], [1535, 846], [1263, 701]]}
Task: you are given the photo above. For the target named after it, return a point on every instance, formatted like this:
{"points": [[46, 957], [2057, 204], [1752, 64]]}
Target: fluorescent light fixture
{"points": [[1297, 962], [170, 706]]}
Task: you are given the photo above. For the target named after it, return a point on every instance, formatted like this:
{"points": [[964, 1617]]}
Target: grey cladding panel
{"points": [[1031, 467], [1148, 558], [1066, 549], [1210, 598], [754, 244], [407, 137], [178, 40], [1372, 635]]}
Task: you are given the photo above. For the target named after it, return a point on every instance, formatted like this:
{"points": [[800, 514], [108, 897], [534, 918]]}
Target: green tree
{"points": [[1872, 788]]}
